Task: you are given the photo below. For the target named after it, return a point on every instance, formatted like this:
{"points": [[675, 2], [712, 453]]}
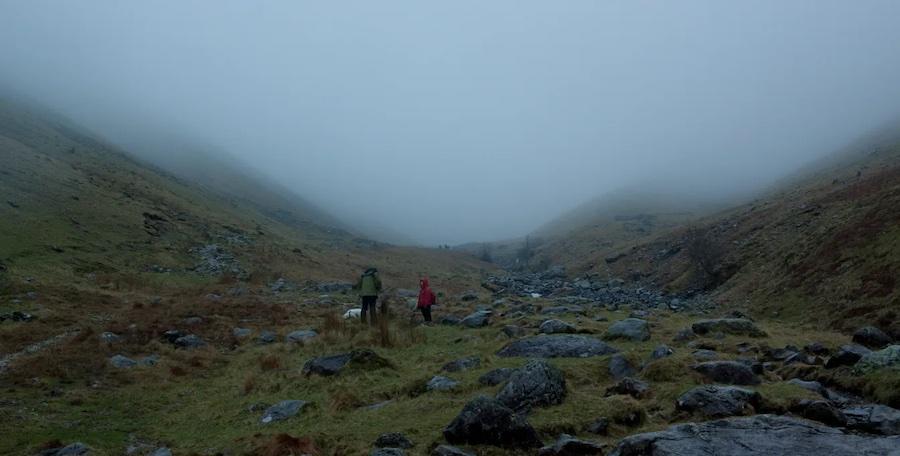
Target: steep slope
{"points": [[824, 247]]}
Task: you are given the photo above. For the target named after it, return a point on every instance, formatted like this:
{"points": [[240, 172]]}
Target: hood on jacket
{"points": [[423, 283]]}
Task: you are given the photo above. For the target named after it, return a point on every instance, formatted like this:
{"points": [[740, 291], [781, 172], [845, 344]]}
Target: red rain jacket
{"points": [[426, 296]]}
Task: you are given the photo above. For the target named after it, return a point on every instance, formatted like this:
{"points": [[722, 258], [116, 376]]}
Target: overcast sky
{"points": [[461, 120]]}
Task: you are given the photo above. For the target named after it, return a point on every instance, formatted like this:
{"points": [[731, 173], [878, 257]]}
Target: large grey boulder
{"points": [[486, 421], [566, 445], [534, 385], [282, 411], [556, 327], [847, 355], [715, 401], [477, 319], [333, 364], [888, 357], [633, 329], [874, 418], [871, 337], [728, 372], [734, 326], [556, 346], [760, 435]]}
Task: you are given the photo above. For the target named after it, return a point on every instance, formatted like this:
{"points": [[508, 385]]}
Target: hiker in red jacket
{"points": [[426, 300]]}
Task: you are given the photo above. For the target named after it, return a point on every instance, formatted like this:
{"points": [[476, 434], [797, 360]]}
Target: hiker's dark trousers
{"points": [[369, 306], [426, 313]]}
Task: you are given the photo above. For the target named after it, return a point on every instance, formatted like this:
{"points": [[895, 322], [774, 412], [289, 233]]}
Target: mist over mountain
{"points": [[466, 121]]}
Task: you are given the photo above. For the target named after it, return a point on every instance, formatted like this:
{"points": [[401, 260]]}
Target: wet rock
{"points": [[536, 384], [619, 367], [441, 383], [556, 327], [633, 329], [496, 376], [301, 336], [189, 341], [716, 401], [873, 418], [266, 337], [871, 337], [821, 411], [513, 331], [757, 435], [282, 411], [630, 387], [661, 351], [733, 326], [241, 333], [463, 364], [478, 319], [888, 357], [567, 445], [447, 450], [847, 355], [728, 372], [556, 346], [334, 364], [393, 440], [486, 421], [122, 362]]}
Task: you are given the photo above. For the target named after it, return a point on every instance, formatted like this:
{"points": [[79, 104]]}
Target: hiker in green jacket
{"points": [[369, 285]]}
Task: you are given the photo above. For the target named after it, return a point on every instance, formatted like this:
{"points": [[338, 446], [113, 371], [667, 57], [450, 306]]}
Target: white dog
{"points": [[352, 313]]}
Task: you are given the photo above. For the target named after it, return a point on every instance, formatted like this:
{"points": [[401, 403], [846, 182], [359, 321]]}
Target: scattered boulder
{"points": [[821, 411], [189, 341], [705, 355], [888, 357], [110, 338], [513, 331], [241, 333], [441, 383], [450, 320], [463, 364], [282, 411], [496, 376], [661, 351], [122, 362], [556, 346], [756, 435], [387, 452], [733, 326], [684, 334], [172, 335], [393, 440], [447, 450], [715, 401], [873, 418], [556, 327], [193, 321], [728, 372], [335, 287], [162, 451], [633, 329], [554, 310], [477, 319], [847, 355], [567, 445], [266, 337], [630, 387], [486, 421], [816, 348], [871, 337], [600, 426], [619, 367], [301, 336], [333, 364], [536, 384]]}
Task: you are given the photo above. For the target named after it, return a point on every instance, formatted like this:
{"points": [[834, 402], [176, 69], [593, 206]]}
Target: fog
{"points": [[466, 120]]}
